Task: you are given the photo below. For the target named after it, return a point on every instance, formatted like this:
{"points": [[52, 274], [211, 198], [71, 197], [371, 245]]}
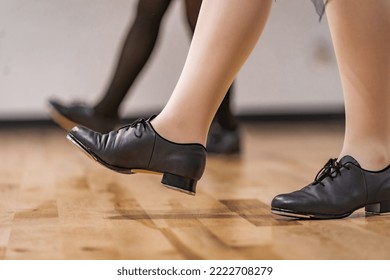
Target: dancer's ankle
{"points": [[178, 131], [369, 158]]}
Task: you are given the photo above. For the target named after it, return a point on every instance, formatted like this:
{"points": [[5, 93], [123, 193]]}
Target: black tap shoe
{"points": [[69, 116], [339, 189], [139, 148]]}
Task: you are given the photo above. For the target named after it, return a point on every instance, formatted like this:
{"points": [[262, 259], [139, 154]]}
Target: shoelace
{"points": [[331, 169], [139, 122], [136, 122]]}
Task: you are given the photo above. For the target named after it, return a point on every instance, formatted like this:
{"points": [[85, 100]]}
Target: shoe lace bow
{"points": [[139, 126], [135, 123], [331, 169]]}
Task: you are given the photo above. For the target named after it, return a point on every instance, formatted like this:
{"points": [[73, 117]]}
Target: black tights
{"points": [[136, 50]]}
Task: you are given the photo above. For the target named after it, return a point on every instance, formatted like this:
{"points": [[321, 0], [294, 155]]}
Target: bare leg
{"points": [[361, 36], [224, 135], [225, 34]]}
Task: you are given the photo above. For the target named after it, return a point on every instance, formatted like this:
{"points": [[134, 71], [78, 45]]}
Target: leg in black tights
{"points": [[136, 51]]}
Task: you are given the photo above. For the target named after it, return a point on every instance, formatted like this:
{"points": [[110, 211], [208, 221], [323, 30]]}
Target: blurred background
{"points": [[67, 49]]}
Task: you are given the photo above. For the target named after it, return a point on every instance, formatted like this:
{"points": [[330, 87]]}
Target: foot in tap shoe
{"points": [[340, 188], [69, 116], [139, 148]]}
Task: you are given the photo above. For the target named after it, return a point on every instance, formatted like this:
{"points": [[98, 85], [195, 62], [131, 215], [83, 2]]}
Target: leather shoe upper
{"points": [[139, 146], [339, 189]]}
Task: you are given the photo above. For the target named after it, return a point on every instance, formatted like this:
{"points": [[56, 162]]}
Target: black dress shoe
{"points": [[139, 148], [339, 189], [79, 114], [222, 141]]}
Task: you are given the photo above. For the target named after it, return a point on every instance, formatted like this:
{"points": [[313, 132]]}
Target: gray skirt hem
{"points": [[320, 7]]}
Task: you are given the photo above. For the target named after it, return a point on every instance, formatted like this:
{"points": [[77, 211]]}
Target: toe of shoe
{"points": [[84, 136], [281, 201], [289, 201]]}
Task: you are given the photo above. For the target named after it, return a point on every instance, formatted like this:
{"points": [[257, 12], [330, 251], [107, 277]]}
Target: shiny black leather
{"points": [[340, 189], [68, 116], [139, 147]]}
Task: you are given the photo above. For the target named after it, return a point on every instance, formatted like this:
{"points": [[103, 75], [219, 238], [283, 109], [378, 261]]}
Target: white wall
{"points": [[67, 49]]}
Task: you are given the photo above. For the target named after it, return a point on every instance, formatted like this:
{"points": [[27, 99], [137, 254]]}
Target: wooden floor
{"points": [[55, 203]]}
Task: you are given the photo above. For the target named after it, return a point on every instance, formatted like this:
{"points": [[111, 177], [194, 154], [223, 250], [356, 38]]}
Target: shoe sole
{"points": [[92, 156], [298, 215], [370, 210]]}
